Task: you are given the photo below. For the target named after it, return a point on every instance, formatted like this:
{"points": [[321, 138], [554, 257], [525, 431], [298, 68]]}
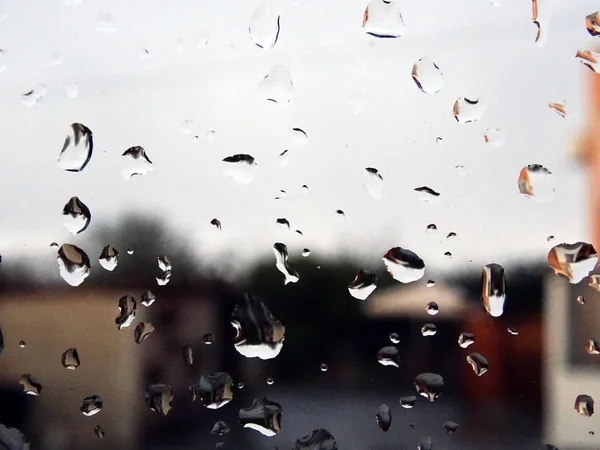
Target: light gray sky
{"points": [[354, 97]]}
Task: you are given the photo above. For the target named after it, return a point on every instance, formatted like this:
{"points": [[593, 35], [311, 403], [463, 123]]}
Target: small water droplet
{"points": [[270, 381], [550, 238], [142, 331], [31, 386], [494, 137], [319, 439], [478, 362], [105, 24], [136, 162], [573, 261], [99, 431], [428, 329], [388, 356], [148, 298], [584, 405], [430, 283], [306, 252], [187, 354], [432, 308], [324, 367], [592, 347], [467, 110], [70, 359], [159, 397], [373, 183], [164, 265], [451, 235], [431, 228], [208, 339], [594, 282], [450, 427], [31, 97], [130, 251], [589, 59], [186, 126], [537, 183], [340, 214], [592, 23], [240, 385], [394, 338], [404, 265], [262, 415], [77, 149], [426, 194], [512, 331], [460, 170], [22, 344], [240, 168], [425, 443], [76, 216], [559, 108], [363, 285], [382, 19], [73, 264], [465, 339], [304, 189], [493, 289], [264, 27], [439, 140], [258, 333], [428, 77], [109, 258], [127, 309], [408, 401], [429, 385], [213, 389], [281, 262], [91, 405], [202, 41], [448, 255], [383, 417], [216, 223], [277, 85], [219, 428]]}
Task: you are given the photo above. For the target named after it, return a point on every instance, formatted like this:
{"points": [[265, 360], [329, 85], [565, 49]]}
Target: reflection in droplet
{"points": [[159, 397], [277, 85], [494, 137], [592, 23], [388, 356], [584, 405], [428, 77], [450, 427], [448, 255], [31, 386], [559, 108], [465, 339], [216, 223], [281, 262], [213, 389], [136, 162], [219, 428], [73, 264], [164, 264], [363, 285], [432, 308], [382, 19], [304, 189], [512, 331], [130, 251], [284, 159], [429, 385], [439, 140], [478, 362], [264, 27], [306, 252], [76, 216], [77, 149], [404, 265], [589, 59], [451, 235], [493, 289], [573, 261], [99, 431], [394, 338], [91, 405], [109, 258], [283, 223], [408, 401], [187, 354], [383, 417], [319, 439], [373, 183], [22, 344], [127, 309], [70, 359], [142, 331], [580, 299], [240, 168], [592, 347], [148, 298], [262, 415], [468, 110], [428, 329], [258, 333], [31, 97]]}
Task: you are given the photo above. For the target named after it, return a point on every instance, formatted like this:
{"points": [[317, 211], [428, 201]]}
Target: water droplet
{"points": [[31, 386], [143, 53], [494, 137], [262, 415], [340, 214], [319, 439], [432, 308], [219, 428], [127, 308], [428, 329], [216, 223], [109, 258], [429, 385], [30, 98], [22, 344], [264, 27], [382, 19], [559, 108], [213, 389], [439, 140], [537, 183], [394, 338], [493, 289], [281, 262], [105, 24], [431, 228], [73, 264], [299, 136], [430, 283], [130, 251], [208, 339], [512, 331], [159, 397], [240, 385], [363, 285], [99, 431], [573, 261], [12, 439], [148, 298], [186, 126], [306, 252], [465, 339], [388, 356], [270, 381], [404, 265], [383, 417], [304, 189], [478, 363], [91, 405], [277, 85], [324, 367], [425, 443], [460, 170], [408, 401], [136, 162], [451, 235], [258, 333], [72, 90], [70, 359], [77, 149], [592, 347], [76, 216], [240, 168], [450, 427], [584, 405], [428, 77], [187, 354], [164, 264], [589, 59], [142, 331], [581, 299], [426, 194], [373, 183], [448, 255], [283, 222], [468, 110], [592, 23]]}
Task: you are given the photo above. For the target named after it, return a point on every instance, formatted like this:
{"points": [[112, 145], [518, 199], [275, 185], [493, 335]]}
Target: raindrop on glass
{"points": [[494, 137], [383, 417], [589, 59], [408, 401], [208, 339], [450, 427], [130, 251], [428, 329], [76, 216], [281, 262], [127, 309], [478, 362], [584, 405], [105, 24], [388, 356], [31, 97], [340, 214], [426, 194], [73, 264], [31, 386], [493, 289], [448, 255], [142, 331], [77, 149], [164, 264], [594, 282], [72, 90], [277, 85], [187, 354], [262, 415], [559, 108], [219, 428], [592, 23], [465, 339], [536, 182], [22, 344], [299, 136], [70, 359], [467, 110], [451, 235], [109, 258], [363, 285], [270, 381], [439, 140], [382, 19], [512, 331], [306, 252], [373, 183], [404, 265], [324, 367], [573, 261], [581, 299], [136, 162], [592, 347], [319, 439], [213, 389], [264, 27], [159, 397], [428, 77], [91, 405], [283, 223], [429, 385], [148, 298], [432, 308], [99, 431], [216, 223], [394, 338], [240, 168]]}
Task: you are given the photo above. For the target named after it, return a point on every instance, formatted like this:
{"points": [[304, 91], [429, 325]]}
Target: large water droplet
{"points": [[109, 258], [428, 329], [584, 405], [537, 183], [383, 417], [12, 439], [258, 333], [99, 431], [429, 385], [512, 331], [264, 27], [373, 183], [589, 59], [324, 367], [31, 386], [388, 356], [127, 309], [394, 338], [105, 24], [277, 85], [281, 262], [136, 162], [76, 216], [408, 401], [70, 359], [478, 362], [404, 265], [148, 298], [468, 110], [91, 405], [164, 264], [573, 261], [428, 77], [159, 397], [306, 252], [494, 137], [213, 389], [382, 19], [493, 289], [592, 23], [319, 439], [240, 168], [262, 415], [219, 428], [363, 285], [142, 331], [30, 98], [450, 427], [77, 149], [465, 339], [73, 264]]}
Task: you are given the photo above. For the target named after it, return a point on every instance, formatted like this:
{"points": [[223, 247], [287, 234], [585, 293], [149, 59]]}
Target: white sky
{"points": [[483, 51]]}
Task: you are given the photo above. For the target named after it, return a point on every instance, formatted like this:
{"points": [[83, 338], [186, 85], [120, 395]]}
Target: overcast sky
{"points": [[353, 95]]}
